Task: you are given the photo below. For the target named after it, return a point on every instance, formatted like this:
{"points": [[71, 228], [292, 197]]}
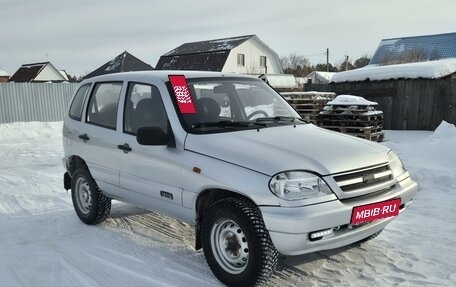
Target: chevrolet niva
{"points": [[228, 155]]}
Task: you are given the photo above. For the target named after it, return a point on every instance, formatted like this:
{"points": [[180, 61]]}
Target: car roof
{"points": [[161, 75]]}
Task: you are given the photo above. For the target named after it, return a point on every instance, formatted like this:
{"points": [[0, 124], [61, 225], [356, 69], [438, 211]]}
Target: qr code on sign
{"points": [[182, 94]]}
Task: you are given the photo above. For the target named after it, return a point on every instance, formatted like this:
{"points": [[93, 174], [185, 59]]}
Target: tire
{"points": [[236, 244], [91, 206]]}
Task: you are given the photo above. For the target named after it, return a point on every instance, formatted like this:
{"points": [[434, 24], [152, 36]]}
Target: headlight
{"points": [[297, 185], [396, 165]]}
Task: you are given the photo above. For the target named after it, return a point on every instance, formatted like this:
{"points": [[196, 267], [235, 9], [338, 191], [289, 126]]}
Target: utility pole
{"points": [[346, 62], [327, 59]]}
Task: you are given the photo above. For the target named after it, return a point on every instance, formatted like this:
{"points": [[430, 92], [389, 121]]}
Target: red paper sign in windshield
{"points": [[182, 94]]}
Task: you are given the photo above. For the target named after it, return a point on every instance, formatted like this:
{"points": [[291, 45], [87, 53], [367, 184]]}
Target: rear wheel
{"points": [[90, 204], [236, 244]]}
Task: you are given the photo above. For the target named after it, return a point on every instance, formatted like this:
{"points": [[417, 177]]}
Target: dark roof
{"points": [[208, 55], [27, 72], [415, 49], [211, 61], [125, 62], [224, 44]]}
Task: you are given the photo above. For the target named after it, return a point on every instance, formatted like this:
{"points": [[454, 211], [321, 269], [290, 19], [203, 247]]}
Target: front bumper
{"points": [[289, 227]]}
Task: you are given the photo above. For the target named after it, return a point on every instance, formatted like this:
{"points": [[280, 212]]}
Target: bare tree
{"points": [[361, 62], [296, 65]]}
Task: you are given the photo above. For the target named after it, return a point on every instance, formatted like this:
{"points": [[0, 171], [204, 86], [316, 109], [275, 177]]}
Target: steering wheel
{"points": [[258, 112]]}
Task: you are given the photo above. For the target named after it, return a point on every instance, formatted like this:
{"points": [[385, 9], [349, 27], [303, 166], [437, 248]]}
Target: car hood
{"points": [[302, 147]]}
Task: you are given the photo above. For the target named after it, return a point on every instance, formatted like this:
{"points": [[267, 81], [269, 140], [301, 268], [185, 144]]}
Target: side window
{"points": [[144, 108], [78, 103], [102, 110]]}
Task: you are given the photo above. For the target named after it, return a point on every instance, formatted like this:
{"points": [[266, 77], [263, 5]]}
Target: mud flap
{"points": [[67, 181]]}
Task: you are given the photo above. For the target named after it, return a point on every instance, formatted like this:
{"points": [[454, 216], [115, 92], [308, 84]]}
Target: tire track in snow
{"points": [[144, 223], [26, 191], [157, 230]]}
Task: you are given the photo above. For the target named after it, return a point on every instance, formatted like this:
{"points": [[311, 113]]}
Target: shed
{"points": [[280, 81], [319, 77], [413, 79]]}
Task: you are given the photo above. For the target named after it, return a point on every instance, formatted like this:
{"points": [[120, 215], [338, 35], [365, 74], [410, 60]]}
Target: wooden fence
{"points": [[407, 104]]}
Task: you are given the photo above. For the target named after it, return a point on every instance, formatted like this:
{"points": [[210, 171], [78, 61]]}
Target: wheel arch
{"points": [[204, 200], [74, 163]]}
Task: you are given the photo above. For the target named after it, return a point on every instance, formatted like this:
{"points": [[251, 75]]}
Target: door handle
{"points": [[125, 147], [84, 137]]}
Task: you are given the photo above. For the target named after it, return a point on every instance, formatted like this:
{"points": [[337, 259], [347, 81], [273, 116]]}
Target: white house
{"points": [[37, 72], [243, 54], [4, 76]]}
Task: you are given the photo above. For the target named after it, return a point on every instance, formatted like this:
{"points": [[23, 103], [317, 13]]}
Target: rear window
{"points": [[78, 103]]}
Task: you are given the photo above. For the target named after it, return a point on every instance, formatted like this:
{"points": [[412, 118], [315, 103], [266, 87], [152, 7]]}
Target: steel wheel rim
{"points": [[83, 195], [229, 246]]}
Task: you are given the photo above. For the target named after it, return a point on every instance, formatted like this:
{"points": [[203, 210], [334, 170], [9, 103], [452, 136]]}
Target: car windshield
{"points": [[227, 104]]}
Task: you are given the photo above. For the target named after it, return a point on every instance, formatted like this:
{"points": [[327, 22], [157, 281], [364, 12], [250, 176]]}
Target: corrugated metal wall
{"points": [[41, 102]]}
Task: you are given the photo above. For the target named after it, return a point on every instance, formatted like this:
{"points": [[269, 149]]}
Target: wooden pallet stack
{"points": [[309, 104], [354, 116]]}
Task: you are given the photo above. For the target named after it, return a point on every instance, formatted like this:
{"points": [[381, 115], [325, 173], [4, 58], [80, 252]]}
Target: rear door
{"points": [[99, 136], [74, 125]]}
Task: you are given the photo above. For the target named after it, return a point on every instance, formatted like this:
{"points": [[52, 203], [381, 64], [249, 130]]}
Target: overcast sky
{"points": [[79, 36]]}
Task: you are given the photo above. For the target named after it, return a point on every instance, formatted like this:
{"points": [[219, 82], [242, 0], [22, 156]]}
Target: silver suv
{"points": [[228, 155]]}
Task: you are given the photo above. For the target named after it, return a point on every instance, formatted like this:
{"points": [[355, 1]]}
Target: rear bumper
{"points": [[290, 227]]}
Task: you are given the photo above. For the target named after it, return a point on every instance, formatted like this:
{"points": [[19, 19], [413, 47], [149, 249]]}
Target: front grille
{"points": [[364, 179]]}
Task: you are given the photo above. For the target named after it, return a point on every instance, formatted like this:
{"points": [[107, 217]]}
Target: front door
{"points": [[149, 175]]}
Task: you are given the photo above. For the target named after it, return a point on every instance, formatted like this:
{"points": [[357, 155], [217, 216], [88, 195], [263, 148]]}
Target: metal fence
{"points": [[41, 102]]}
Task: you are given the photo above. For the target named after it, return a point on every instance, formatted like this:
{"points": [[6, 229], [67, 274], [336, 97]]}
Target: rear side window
{"points": [[78, 103], [102, 109]]}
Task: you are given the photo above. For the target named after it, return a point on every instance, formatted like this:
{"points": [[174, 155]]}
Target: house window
{"points": [[241, 60], [262, 61]]}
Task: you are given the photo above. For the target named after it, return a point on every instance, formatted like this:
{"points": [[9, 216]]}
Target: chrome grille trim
{"points": [[368, 180]]}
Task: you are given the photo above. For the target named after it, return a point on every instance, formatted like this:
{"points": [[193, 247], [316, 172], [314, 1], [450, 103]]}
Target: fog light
{"points": [[320, 234]]}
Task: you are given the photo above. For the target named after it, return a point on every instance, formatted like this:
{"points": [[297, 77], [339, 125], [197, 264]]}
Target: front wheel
{"points": [[236, 244], [90, 204]]}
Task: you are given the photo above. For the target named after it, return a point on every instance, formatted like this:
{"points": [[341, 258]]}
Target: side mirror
{"points": [[152, 136]]}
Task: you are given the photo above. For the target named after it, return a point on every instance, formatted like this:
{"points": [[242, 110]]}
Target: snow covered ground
{"points": [[43, 243]]}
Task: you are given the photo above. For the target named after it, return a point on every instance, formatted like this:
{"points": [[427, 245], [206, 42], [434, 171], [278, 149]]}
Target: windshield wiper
{"points": [[229, 124], [280, 119]]}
